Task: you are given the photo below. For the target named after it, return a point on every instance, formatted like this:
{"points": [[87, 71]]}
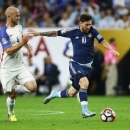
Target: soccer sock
{"points": [[22, 89], [62, 94], [83, 99], [10, 105]]}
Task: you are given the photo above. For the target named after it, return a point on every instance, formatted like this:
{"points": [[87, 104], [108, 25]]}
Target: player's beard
{"points": [[86, 30], [15, 22]]}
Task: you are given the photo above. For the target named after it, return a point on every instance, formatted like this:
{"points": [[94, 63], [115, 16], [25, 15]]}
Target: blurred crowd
{"points": [[65, 13]]}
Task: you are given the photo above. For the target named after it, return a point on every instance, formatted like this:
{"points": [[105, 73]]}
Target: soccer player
{"points": [[12, 67], [82, 38]]}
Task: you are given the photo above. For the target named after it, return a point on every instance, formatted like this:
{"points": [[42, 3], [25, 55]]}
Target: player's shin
{"points": [[10, 105], [83, 99]]}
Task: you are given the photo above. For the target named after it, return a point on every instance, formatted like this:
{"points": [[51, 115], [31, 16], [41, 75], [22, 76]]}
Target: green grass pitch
{"points": [[65, 114]]}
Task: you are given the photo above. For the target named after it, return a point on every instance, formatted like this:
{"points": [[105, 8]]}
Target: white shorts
{"points": [[10, 76]]}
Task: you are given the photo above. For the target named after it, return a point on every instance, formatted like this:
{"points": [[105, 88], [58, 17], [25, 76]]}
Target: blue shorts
{"points": [[77, 72]]}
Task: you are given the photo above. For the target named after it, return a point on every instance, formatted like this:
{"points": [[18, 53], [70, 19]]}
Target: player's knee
{"points": [[84, 83], [12, 95], [33, 88]]}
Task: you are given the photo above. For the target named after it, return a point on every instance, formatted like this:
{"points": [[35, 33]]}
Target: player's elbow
{"points": [[8, 51]]}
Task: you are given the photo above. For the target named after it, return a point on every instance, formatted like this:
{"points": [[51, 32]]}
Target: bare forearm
{"points": [[27, 47], [49, 34], [106, 45], [14, 49]]}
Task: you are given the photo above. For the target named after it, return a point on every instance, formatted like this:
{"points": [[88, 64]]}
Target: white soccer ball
{"points": [[107, 115]]}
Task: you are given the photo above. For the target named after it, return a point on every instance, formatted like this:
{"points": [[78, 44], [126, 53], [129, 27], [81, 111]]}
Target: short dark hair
{"points": [[85, 17]]}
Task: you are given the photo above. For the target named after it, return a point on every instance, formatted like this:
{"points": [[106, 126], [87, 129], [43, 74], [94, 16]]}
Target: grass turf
{"points": [[65, 114]]}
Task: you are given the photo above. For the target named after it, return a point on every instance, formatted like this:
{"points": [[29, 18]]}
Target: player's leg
{"points": [[61, 94], [10, 101], [27, 82], [80, 82], [8, 84], [83, 82]]}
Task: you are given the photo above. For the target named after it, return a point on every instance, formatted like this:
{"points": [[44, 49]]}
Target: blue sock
{"points": [[62, 94], [83, 99]]}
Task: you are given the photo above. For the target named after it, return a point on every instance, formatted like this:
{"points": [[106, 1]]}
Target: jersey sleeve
{"points": [[97, 35], [4, 39], [65, 33]]}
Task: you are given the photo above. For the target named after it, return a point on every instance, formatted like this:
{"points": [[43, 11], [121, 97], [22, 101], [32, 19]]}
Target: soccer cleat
{"points": [[12, 117], [50, 97], [88, 114]]}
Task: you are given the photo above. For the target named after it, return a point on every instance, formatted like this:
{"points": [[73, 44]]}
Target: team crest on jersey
{"points": [[4, 41], [63, 31], [89, 35]]}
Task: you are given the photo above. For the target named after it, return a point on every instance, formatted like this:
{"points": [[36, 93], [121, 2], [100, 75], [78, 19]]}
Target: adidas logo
{"points": [[77, 37]]}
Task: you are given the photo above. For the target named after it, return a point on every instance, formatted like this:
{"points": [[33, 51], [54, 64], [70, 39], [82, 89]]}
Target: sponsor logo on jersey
{"points": [[4, 41]]}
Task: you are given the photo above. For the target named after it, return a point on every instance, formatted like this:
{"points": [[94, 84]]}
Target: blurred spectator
{"points": [[96, 73], [65, 21], [46, 21], [2, 17], [118, 23], [90, 6], [126, 21], [96, 16], [111, 69], [102, 23], [25, 15], [109, 18], [34, 10], [50, 77], [77, 11], [19, 5]]}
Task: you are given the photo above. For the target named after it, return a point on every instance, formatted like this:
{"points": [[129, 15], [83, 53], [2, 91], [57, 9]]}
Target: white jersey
{"points": [[11, 36]]}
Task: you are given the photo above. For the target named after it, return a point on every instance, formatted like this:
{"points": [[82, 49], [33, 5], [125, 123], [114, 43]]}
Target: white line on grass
{"points": [[40, 112]]}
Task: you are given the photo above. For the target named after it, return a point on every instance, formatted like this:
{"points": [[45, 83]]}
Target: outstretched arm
{"points": [[30, 55], [107, 46], [49, 33]]}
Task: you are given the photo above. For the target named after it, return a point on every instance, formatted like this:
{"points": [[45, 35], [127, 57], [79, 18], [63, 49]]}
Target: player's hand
{"points": [[115, 53], [25, 39], [32, 31]]}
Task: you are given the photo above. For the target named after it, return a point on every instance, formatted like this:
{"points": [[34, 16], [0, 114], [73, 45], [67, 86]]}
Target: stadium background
{"points": [[46, 15], [65, 113]]}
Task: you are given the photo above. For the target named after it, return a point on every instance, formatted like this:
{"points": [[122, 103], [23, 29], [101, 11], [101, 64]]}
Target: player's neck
{"points": [[8, 24]]}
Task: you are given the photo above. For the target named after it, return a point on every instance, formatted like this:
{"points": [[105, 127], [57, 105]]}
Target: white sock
{"points": [[22, 89], [10, 105]]}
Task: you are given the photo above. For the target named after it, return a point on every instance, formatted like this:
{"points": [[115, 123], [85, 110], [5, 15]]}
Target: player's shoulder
{"points": [[70, 29], [3, 28], [19, 26], [93, 28]]}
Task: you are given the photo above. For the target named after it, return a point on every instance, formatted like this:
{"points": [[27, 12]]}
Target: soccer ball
{"points": [[107, 115]]}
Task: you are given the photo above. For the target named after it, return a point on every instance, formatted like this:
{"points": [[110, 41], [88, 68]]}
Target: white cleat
{"points": [[88, 114], [50, 97]]}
